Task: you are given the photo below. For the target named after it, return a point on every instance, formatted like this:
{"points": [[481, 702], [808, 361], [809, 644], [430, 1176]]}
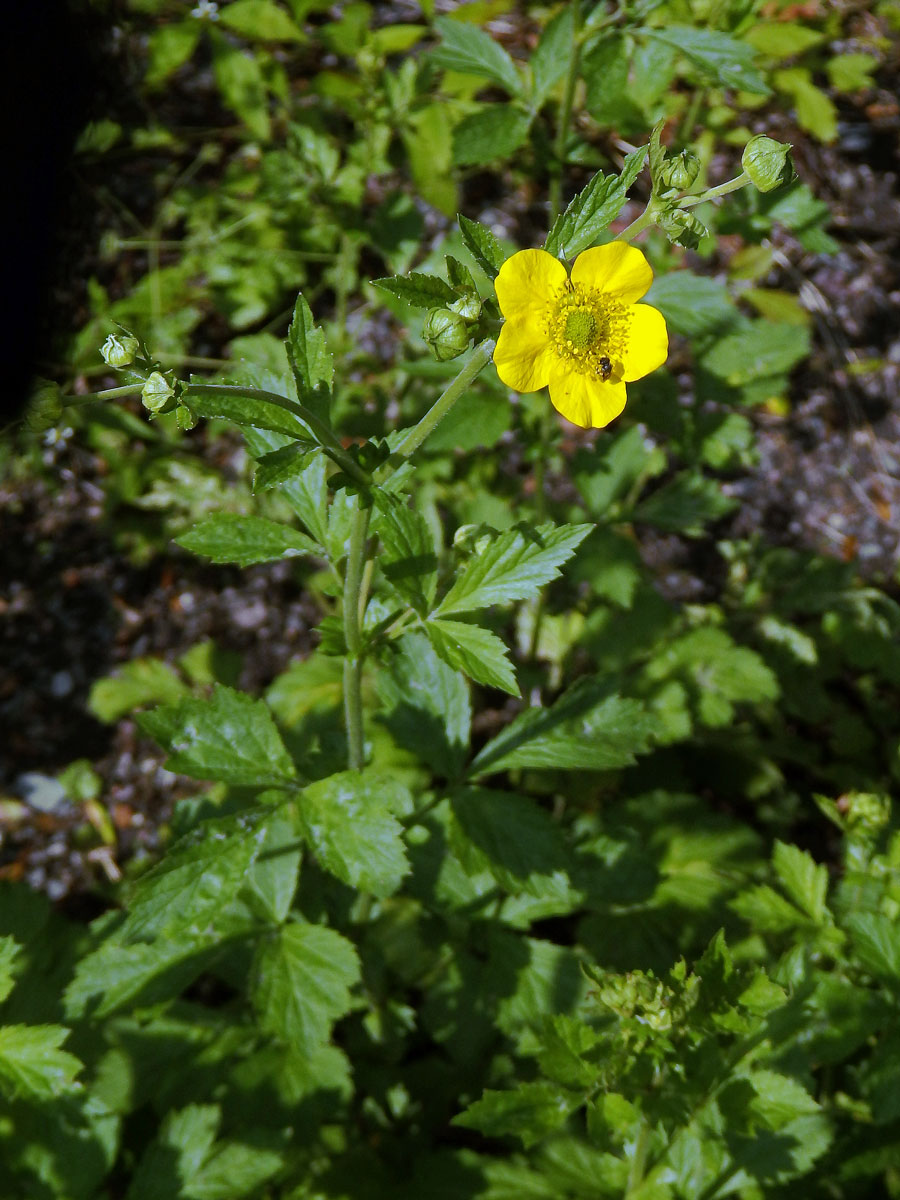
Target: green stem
{"points": [[639, 1160], [711, 193], [327, 439], [565, 113], [647, 217], [474, 364], [353, 584], [129, 389]]}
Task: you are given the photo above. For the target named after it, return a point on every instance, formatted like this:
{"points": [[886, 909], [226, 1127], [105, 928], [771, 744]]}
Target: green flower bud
{"points": [[446, 333], [768, 163], [682, 227], [44, 406], [677, 174], [119, 350], [468, 307], [158, 395]]}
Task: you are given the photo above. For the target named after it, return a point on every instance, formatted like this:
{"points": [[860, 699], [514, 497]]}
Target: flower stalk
{"points": [[353, 603]]}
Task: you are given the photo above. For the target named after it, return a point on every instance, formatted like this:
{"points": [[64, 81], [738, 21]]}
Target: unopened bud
{"points": [[683, 228], [157, 395], [44, 406], [119, 350], [768, 163], [446, 333], [677, 174], [468, 307]]}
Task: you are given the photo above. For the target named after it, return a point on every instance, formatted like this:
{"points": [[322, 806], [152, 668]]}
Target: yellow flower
{"points": [[585, 336]]}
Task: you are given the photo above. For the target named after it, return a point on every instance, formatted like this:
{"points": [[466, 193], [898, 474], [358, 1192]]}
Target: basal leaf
{"points": [[686, 504], [232, 538], [302, 980], [349, 822], [515, 566], [136, 683], [475, 651], [230, 737], [594, 208]]}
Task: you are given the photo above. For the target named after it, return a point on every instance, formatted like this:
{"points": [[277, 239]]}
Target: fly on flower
{"points": [[585, 336]]}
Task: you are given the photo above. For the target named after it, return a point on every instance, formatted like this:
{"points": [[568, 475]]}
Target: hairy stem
{"points": [[353, 591], [711, 193]]}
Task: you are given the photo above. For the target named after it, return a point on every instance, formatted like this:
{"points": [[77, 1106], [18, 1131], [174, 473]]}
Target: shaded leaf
{"points": [[232, 538], [475, 651]]}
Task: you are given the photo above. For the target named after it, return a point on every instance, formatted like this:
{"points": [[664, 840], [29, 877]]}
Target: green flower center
{"points": [[580, 328], [589, 330]]}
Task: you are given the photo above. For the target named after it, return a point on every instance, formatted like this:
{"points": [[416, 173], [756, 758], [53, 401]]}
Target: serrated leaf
{"points": [[686, 504], [418, 289], [594, 208], [282, 465], [10, 951], [304, 487], [234, 1170], [482, 245], [195, 880], [521, 842], [515, 566], [460, 276], [804, 880], [409, 561], [692, 304], [310, 359], [757, 350], [232, 538], [427, 706], [32, 1066], [587, 729], [876, 939], [230, 737], [474, 52], [249, 411], [313, 684], [475, 651], [271, 880], [530, 1112], [260, 19], [349, 822], [494, 131], [136, 683], [720, 57], [302, 980], [551, 59], [780, 1099], [656, 152]]}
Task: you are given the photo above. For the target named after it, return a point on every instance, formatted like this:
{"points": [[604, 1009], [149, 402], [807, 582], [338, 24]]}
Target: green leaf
{"points": [[475, 651], [310, 359], [692, 304], [231, 538], [482, 245], [409, 561], [427, 705], [530, 1112], [348, 821], [766, 910], [515, 566], [304, 485], [260, 19], [587, 729], [139, 682], [230, 737], [779, 1098], [494, 131], [283, 465], [196, 880], [169, 48], [687, 504], [240, 80], [311, 685], [551, 59], [876, 940], [302, 980], [804, 880], [417, 289], [720, 57], [608, 471], [474, 52], [234, 1170], [816, 111], [247, 410], [271, 880], [521, 842], [10, 951], [592, 211], [758, 350], [32, 1065]]}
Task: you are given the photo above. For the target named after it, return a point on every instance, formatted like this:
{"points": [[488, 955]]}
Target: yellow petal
{"points": [[584, 400], [527, 282], [616, 268], [523, 355], [648, 342]]}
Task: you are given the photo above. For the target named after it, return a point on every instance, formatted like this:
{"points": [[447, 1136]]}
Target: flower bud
{"points": [[158, 395], [677, 174], [468, 307], [683, 228], [768, 163], [119, 350], [446, 333], [44, 406]]}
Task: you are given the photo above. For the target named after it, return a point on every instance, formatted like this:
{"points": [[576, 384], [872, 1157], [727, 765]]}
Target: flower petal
{"points": [[616, 268], [648, 342], [523, 355], [583, 400], [527, 281]]}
